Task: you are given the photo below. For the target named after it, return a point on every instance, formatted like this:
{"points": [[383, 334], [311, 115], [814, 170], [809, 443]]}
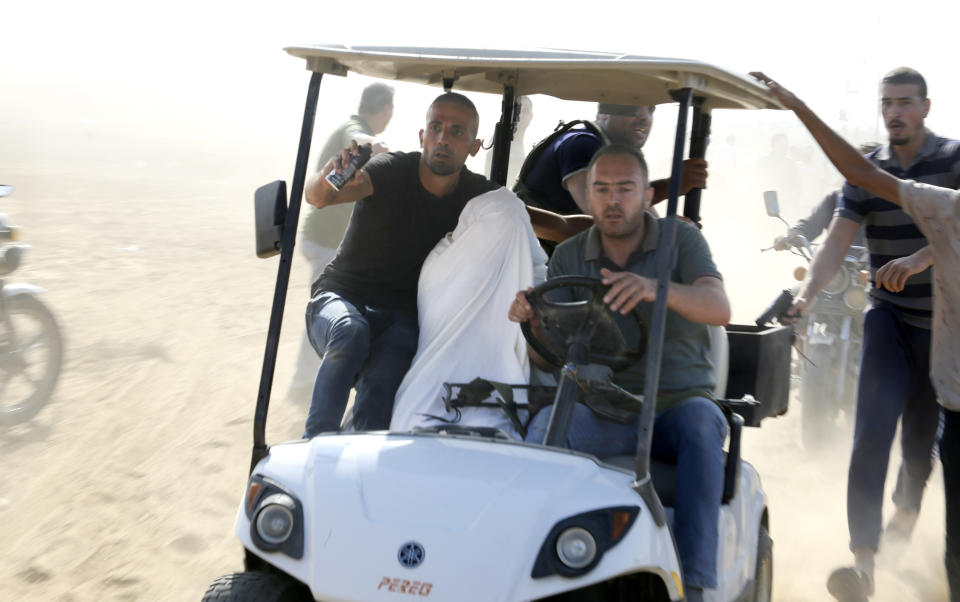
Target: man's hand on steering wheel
{"points": [[521, 310], [627, 290], [584, 329]]}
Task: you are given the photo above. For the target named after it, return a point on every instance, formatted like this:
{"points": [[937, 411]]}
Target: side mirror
{"points": [[770, 200], [270, 212]]}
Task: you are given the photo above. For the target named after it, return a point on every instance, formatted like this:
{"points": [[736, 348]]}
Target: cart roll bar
{"points": [[561, 413], [503, 136], [699, 139], [260, 448], [666, 258]]}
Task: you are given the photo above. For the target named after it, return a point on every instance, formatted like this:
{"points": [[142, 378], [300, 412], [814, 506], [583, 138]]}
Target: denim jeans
{"points": [[367, 347], [894, 382], [950, 457], [690, 434], [308, 363]]}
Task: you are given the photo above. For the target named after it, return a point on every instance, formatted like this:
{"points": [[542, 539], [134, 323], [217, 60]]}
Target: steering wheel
{"points": [[589, 321]]}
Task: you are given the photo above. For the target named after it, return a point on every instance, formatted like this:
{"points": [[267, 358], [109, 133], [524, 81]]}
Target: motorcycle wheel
{"points": [[31, 354], [818, 400]]}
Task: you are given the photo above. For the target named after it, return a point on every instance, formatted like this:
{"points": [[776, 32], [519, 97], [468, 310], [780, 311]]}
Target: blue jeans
{"points": [[369, 346], [690, 434], [894, 382]]}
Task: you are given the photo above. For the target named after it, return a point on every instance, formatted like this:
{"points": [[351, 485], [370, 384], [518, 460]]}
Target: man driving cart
{"points": [[690, 427]]}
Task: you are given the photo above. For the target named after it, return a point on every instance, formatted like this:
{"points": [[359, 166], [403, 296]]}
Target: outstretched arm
{"points": [[854, 166], [694, 176], [859, 172], [553, 226]]}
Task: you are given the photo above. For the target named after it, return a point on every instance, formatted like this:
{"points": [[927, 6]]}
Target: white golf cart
{"points": [[468, 514]]}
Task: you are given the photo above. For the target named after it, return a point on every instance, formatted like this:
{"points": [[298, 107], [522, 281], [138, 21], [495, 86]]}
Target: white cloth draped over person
{"points": [[465, 289]]}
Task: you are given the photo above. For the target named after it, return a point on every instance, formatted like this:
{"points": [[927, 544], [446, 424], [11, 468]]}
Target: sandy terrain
{"points": [[126, 486]]}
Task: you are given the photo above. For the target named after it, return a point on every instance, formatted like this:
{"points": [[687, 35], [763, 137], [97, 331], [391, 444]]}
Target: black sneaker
{"points": [[848, 584]]}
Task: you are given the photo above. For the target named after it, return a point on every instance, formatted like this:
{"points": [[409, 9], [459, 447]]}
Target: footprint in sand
{"points": [[211, 469], [188, 544], [154, 351], [32, 574]]}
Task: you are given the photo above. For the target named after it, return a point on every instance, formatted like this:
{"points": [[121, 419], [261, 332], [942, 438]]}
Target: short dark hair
{"points": [[461, 100], [457, 99], [618, 150], [374, 98], [906, 75], [605, 108]]}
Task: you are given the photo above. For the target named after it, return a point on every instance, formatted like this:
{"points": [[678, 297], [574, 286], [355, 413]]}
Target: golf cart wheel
{"points": [[763, 577], [255, 586]]}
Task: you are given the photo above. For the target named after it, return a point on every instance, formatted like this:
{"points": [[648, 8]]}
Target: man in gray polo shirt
{"points": [[689, 428]]}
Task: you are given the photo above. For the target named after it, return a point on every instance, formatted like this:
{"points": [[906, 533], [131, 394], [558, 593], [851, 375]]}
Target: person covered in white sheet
{"points": [[466, 285]]}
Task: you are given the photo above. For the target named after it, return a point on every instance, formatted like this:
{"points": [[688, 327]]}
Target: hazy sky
{"points": [[148, 64]]}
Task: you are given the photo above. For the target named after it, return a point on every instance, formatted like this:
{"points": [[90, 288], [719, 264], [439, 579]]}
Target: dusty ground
{"points": [[125, 487]]}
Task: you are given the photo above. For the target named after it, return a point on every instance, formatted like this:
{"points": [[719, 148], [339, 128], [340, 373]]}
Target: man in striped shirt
{"points": [[896, 344]]}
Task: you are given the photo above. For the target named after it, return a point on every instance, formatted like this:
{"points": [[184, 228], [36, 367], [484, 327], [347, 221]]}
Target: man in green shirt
{"points": [[690, 428]]}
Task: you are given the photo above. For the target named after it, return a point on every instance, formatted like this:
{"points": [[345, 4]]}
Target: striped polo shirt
{"points": [[891, 233]]}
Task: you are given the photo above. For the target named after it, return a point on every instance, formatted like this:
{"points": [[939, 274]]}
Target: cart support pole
{"points": [[503, 136], [564, 401], [699, 139], [666, 258], [260, 447]]}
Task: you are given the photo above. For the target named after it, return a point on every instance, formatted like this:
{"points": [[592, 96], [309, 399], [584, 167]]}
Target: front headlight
{"points": [[855, 298], [276, 517], [839, 282], [576, 547]]}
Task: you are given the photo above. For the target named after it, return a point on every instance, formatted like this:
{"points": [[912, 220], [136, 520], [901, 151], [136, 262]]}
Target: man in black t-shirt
{"points": [[362, 317]]}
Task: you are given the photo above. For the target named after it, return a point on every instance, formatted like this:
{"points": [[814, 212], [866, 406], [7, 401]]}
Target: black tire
{"points": [[818, 403], [31, 355], [763, 573], [256, 586]]}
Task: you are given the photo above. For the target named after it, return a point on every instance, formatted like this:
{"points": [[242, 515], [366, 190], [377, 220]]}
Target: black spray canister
{"points": [[338, 178]]}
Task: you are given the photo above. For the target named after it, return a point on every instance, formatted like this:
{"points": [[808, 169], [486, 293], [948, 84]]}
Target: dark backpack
{"points": [[528, 196]]}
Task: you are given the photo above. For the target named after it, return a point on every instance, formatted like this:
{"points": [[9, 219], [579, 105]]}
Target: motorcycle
{"points": [[826, 368], [31, 346]]}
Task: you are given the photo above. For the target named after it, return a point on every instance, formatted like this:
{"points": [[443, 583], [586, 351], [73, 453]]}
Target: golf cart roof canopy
{"points": [[564, 74]]}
